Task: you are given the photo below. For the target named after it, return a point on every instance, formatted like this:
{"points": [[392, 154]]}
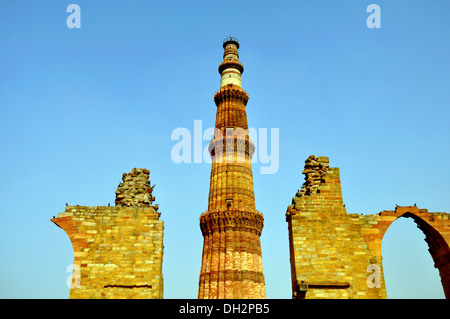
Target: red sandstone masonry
{"points": [[231, 227]]}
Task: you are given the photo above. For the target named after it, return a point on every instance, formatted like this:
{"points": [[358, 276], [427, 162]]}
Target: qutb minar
{"points": [[231, 260]]}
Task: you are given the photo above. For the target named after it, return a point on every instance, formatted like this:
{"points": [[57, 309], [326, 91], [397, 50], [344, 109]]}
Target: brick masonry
{"points": [[335, 255], [118, 251]]}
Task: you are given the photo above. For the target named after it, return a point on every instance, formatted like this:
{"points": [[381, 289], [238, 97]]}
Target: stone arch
{"points": [[435, 226]]}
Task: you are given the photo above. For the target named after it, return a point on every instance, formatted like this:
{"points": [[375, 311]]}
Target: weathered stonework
{"points": [[135, 189], [338, 255], [118, 251], [231, 259]]}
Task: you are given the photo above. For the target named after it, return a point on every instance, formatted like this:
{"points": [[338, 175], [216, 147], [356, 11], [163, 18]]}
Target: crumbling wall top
{"points": [[135, 189], [315, 170]]}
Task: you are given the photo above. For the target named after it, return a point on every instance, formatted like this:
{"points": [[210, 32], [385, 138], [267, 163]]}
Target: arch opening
{"points": [[408, 261]]}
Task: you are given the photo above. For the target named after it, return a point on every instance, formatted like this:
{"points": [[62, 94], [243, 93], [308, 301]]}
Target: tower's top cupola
{"points": [[231, 69], [231, 40]]}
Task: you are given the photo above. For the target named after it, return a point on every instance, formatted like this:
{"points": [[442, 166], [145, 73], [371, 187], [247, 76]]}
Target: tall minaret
{"points": [[231, 262]]}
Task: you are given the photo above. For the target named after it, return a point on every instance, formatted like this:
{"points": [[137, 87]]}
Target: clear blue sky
{"points": [[79, 107]]}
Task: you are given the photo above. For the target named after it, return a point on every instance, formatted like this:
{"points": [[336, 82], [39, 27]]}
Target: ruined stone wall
{"points": [[329, 257], [118, 251], [336, 255]]}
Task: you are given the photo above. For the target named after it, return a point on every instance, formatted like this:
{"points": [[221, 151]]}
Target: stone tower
{"points": [[231, 227]]}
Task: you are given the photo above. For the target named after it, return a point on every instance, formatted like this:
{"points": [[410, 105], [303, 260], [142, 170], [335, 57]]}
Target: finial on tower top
{"points": [[231, 39]]}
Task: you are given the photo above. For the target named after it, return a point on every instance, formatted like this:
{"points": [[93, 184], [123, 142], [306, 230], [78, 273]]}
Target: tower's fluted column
{"points": [[232, 261]]}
